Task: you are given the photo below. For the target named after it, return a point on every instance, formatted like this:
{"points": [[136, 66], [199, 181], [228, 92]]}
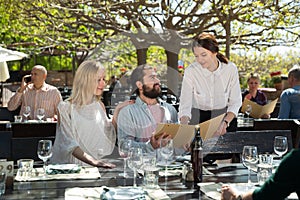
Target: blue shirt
{"points": [[290, 103], [135, 122]]}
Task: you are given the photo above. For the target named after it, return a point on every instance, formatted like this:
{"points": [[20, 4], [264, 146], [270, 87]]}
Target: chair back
{"points": [[233, 142]]}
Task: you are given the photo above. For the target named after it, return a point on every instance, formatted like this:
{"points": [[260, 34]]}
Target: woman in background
{"points": [[253, 93]]}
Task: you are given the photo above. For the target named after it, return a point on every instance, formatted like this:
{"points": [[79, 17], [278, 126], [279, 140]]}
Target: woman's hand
{"points": [[100, 163], [117, 110]]}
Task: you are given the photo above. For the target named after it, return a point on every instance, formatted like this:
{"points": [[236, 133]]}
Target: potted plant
{"points": [[276, 81]]}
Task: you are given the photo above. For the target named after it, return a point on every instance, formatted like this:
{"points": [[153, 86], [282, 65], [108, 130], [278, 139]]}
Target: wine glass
{"points": [[135, 161], [26, 112], [280, 145], [124, 148], [249, 158], [166, 152], [40, 114], [248, 111], [44, 151]]}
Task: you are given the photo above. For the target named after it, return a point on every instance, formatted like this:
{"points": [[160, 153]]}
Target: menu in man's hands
{"points": [[259, 110], [183, 134]]}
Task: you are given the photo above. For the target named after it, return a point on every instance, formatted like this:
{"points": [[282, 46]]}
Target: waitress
{"points": [[210, 87]]}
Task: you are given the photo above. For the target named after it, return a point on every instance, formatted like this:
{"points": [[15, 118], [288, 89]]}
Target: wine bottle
{"points": [[197, 155]]}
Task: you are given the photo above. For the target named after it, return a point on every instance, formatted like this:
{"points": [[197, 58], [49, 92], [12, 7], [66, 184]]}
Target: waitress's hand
{"points": [[184, 120], [221, 130]]}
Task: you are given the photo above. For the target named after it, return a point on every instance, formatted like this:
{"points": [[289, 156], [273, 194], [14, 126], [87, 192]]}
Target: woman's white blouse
{"points": [[208, 90], [86, 127]]}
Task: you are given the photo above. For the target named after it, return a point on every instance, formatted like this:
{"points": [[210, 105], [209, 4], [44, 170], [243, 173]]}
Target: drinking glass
{"points": [[166, 152], [135, 161], [151, 171], [280, 145], [124, 148], [44, 151], [248, 111], [26, 112], [249, 158], [40, 113]]}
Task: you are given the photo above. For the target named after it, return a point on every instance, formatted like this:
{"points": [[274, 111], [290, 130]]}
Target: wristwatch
{"points": [[227, 122]]}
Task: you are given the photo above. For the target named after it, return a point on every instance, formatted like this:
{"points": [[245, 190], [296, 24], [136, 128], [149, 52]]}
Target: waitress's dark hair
{"points": [[209, 42]]}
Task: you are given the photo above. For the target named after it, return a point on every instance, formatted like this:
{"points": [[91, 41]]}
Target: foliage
{"points": [[36, 26]]}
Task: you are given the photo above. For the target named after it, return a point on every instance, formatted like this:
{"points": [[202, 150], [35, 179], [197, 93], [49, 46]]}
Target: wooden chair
{"points": [[233, 142], [280, 124]]}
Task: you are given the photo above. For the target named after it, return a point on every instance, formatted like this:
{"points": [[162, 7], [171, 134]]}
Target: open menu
{"points": [[183, 134], [259, 110]]}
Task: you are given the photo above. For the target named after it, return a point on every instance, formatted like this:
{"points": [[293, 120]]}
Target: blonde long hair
{"points": [[85, 83]]}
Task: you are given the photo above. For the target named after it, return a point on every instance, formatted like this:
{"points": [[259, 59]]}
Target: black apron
{"points": [[199, 116]]}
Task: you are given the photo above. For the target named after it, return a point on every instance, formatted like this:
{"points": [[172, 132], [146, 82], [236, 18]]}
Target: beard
{"points": [[151, 93]]}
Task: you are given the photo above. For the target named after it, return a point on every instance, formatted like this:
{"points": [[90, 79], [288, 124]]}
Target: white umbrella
{"points": [[10, 55], [4, 73]]}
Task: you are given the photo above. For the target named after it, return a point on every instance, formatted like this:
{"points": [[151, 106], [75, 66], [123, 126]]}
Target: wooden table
{"points": [[175, 189]]}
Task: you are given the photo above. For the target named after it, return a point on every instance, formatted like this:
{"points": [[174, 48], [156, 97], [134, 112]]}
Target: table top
{"points": [[176, 188]]}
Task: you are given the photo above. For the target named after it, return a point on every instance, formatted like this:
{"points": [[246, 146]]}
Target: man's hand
{"points": [[228, 193], [155, 141], [23, 84]]}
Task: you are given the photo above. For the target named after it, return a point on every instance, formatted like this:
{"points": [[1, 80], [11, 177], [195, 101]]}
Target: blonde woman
{"points": [[84, 133]]}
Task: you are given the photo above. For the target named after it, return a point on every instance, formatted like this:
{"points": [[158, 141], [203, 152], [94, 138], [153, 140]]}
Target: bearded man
{"points": [[138, 121]]}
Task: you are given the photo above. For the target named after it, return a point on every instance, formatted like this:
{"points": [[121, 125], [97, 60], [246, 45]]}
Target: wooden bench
{"points": [[233, 142], [5, 144], [26, 147], [45, 129], [280, 124]]}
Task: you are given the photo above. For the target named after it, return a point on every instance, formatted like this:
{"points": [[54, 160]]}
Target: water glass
{"points": [[151, 171], [18, 118], [25, 167], [264, 168], [151, 175], [2, 183], [240, 118]]}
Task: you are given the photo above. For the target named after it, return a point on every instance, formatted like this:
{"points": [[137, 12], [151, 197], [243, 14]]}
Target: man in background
{"points": [[290, 98], [36, 93]]}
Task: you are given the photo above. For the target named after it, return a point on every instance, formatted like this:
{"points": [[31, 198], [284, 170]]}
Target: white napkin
{"points": [[211, 189]]}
